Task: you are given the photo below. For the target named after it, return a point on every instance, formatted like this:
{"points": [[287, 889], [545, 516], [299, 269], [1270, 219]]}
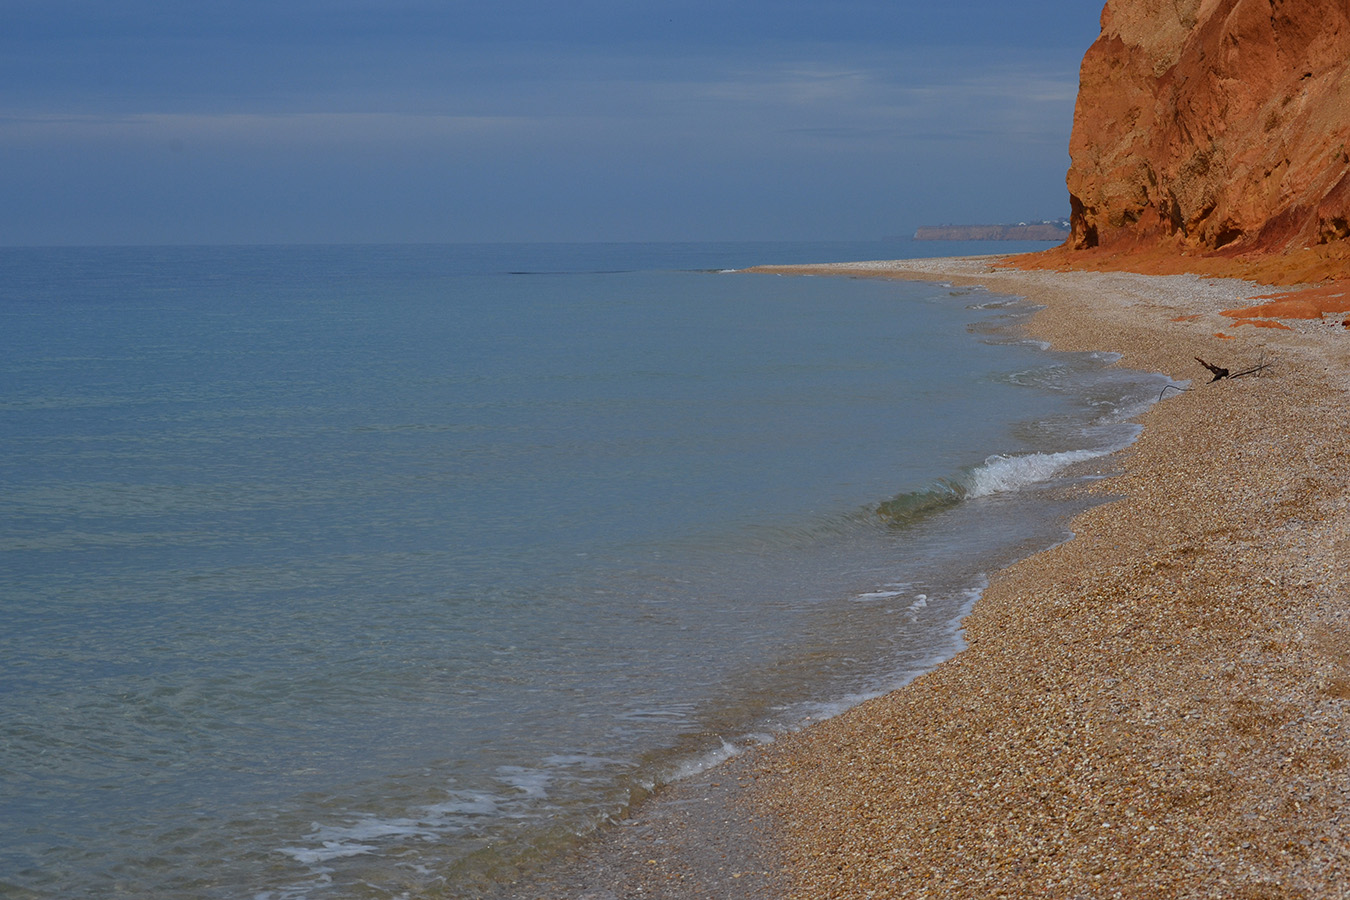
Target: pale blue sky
{"points": [[262, 121]]}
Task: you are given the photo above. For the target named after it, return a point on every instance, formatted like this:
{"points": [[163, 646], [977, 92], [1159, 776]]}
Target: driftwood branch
{"points": [[1219, 372]]}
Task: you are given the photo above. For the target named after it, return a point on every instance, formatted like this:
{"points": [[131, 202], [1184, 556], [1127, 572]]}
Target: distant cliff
{"points": [[1214, 127], [1038, 231]]}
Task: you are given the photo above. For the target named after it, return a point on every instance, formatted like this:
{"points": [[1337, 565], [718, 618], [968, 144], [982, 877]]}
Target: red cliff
{"points": [[1217, 129]]}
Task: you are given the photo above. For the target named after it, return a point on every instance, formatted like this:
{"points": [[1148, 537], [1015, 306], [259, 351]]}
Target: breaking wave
{"points": [[997, 475]]}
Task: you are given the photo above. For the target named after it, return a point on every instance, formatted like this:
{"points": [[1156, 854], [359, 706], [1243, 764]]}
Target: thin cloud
{"points": [[250, 128]]}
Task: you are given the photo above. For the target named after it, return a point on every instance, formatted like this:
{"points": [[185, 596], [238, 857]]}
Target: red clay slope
{"points": [[1213, 136]]}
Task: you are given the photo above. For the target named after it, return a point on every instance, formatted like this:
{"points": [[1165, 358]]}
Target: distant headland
{"points": [[1045, 230]]}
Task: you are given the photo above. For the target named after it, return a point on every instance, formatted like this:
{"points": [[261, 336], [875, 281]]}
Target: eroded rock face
{"points": [[1214, 125]]}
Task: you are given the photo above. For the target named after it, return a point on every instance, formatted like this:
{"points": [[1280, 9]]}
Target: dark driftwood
{"points": [[1252, 371], [1221, 372], [1218, 372]]}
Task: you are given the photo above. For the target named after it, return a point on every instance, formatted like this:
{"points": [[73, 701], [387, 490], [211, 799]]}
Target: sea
{"points": [[393, 571]]}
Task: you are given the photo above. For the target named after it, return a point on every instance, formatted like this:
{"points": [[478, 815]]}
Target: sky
{"points": [[394, 121]]}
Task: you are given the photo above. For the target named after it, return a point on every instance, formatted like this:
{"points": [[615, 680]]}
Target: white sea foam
{"points": [[329, 850], [877, 595], [465, 803], [703, 762], [1000, 474], [800, 715], [370, 834], [803, 714], [529, 782], [357, 839]]}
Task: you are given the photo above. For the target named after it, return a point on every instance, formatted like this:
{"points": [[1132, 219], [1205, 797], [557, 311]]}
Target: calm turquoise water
{"points": [[370, 571]]}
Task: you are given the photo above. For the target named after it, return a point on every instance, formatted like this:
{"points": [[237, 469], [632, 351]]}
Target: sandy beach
{"points": [[1155, 708]]}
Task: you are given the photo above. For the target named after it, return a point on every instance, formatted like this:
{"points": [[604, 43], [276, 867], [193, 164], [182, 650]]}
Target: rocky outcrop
{"points": [[1214, 127]]}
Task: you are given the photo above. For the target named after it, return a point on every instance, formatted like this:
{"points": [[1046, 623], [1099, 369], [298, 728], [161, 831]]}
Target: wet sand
{"points": [[1159, 707]]}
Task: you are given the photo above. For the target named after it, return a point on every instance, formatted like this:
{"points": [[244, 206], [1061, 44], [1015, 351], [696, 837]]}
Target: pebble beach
{"points": [[1157, 707]]}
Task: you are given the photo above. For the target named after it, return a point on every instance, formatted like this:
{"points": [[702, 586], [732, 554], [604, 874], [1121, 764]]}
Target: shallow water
{"points": [[364, 572]]}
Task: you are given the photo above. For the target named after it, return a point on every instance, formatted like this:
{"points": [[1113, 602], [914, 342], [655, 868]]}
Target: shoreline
{"points": [[1158, 707]]}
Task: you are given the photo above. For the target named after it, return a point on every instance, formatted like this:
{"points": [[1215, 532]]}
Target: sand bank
{"points": [[1157, 708]]}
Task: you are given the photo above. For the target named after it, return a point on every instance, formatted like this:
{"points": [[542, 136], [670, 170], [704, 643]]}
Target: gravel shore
{"points": [[1157, 708]]}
